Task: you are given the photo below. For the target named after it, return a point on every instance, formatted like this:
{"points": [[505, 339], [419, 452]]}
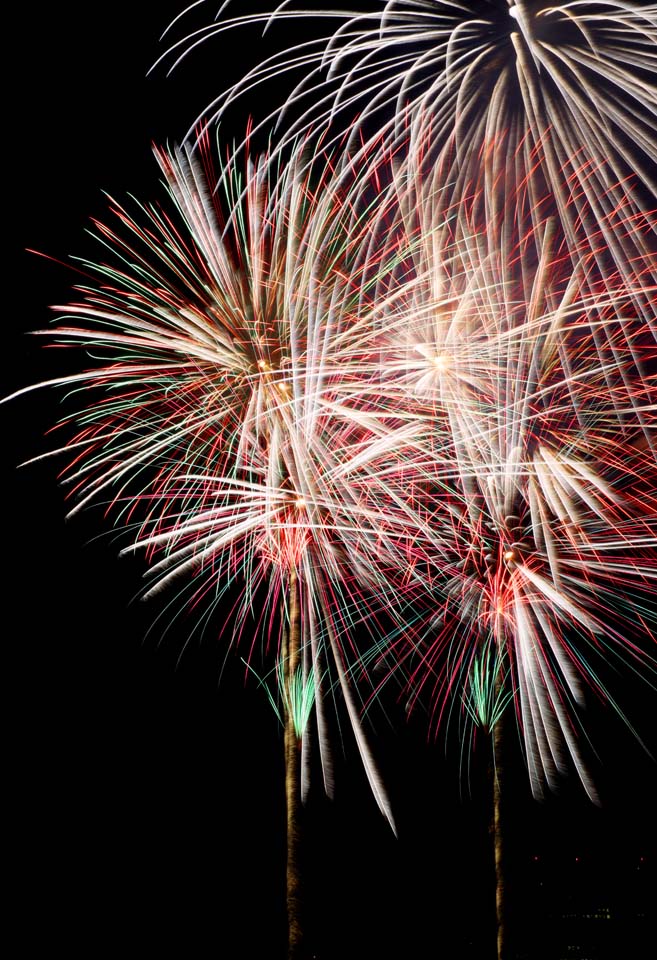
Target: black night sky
{"points": [[147, 794]]}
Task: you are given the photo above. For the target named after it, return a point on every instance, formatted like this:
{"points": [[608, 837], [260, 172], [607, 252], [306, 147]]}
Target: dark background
{"points": [[147, 796]]}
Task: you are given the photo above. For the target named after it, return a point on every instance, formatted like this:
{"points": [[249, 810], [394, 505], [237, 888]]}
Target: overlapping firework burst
{"points": [[521, 330], [427, 375]]}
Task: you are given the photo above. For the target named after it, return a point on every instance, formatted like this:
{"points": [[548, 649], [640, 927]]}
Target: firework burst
{"points": [[217, 423], [534, 475], [560, 98]]}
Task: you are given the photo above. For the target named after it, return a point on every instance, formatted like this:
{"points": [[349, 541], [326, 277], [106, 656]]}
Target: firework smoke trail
{"points": [[216, 422], [536, 485]]}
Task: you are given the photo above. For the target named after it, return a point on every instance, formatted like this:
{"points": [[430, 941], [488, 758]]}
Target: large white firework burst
{"points": [[560, 97]]}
